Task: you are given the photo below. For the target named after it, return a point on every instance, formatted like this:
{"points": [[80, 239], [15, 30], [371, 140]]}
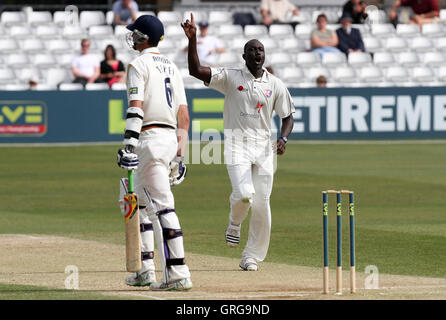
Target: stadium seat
{"points": [[279, 31], [20, 32], [363, 28], [279, 59], [32, 46], [64, 60], [54, 76], [24, 74], [65, 18], [359, 59], [434, 59], [303, 31], [441, 73], [174, 31], [73, 32], [408, 59], [237, 44], [370, 74], [15, 87], [91, 18], [397, 74], [97, 86], [345, 75], [407, 30], [58, 46], [383, 30], [46, 87], [17, 60], [43, 60], [229, 31], [383, 59], [421, 44], [6, 75], [269, 44], [8, 46], [292, 75], [170, 17], [291, 44], [255, 31], [69, 86], [432, 30], [423, 75], [9, 18], [220, 17], [47, 31], [440, 44], [395, 44], [199, 15], [333, 59], [109, 17], [39, 17], [227, 59], [307, 59], [313, 73], [372, 44], [100, 32], [119, 86]]}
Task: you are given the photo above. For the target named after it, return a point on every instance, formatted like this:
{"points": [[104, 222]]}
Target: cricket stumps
{"points": [[339, 194]]}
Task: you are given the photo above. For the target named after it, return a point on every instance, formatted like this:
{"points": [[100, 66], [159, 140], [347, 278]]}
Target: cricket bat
{"points": [[132, 235]]}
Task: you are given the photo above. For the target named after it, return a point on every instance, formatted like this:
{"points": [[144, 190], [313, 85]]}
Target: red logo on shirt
{"points": [[258, 107], [240, 88]]}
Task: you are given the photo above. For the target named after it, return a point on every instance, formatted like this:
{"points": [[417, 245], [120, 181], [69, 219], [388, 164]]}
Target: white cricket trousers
{"points": [[156, 148], [250, 165]]}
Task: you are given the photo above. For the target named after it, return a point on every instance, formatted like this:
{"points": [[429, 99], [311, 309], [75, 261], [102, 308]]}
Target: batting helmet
{"points": [[150, 26]]}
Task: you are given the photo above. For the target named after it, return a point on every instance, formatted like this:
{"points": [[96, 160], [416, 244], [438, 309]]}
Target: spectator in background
{"points": [[207, 46], [425, 11], [85, 67], [356, 9], [112, 70], [322, 39], [350, 39], [321, 82], [124, 12], [33, 82], [277, 11]]}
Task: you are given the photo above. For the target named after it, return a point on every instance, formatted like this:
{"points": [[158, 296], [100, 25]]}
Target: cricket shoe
{"points": [[176, 285], [141, 280], [232, 235], [249, 264]]}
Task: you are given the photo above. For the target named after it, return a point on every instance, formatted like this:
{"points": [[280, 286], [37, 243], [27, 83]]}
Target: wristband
{"points": [[285, 139]]}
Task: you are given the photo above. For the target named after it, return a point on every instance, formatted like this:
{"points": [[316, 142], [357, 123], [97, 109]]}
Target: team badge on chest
{"points": [[268, 93]]}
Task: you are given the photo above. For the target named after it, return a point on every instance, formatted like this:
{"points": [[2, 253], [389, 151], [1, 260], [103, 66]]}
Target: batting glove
{"points": [[127, 159], [177, 171]]}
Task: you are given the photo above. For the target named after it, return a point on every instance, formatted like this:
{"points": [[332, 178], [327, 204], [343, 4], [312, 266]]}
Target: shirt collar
{"points": [[150, 50], [264, 77]]}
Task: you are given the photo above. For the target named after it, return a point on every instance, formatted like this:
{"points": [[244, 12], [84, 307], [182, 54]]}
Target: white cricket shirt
{"points": [[155, 80], [205, 45], [85, 64], [249, 102]]}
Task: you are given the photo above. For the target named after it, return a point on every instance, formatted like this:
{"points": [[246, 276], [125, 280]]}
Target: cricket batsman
{"points": [[251, 95], [156, 99]]}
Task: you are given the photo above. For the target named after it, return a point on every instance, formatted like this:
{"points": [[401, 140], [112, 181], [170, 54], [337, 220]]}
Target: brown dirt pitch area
{"points": [[42, 260]]}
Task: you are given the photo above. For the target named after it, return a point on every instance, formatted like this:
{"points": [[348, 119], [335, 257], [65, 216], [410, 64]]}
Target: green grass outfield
{"points": [[400, 202]]}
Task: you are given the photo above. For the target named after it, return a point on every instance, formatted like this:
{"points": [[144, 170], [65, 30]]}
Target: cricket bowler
{"points": [[251, 95], [156, 99]]}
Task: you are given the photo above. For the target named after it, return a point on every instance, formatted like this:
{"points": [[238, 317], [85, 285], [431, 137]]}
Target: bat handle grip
{"points": [[131, 183]]}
